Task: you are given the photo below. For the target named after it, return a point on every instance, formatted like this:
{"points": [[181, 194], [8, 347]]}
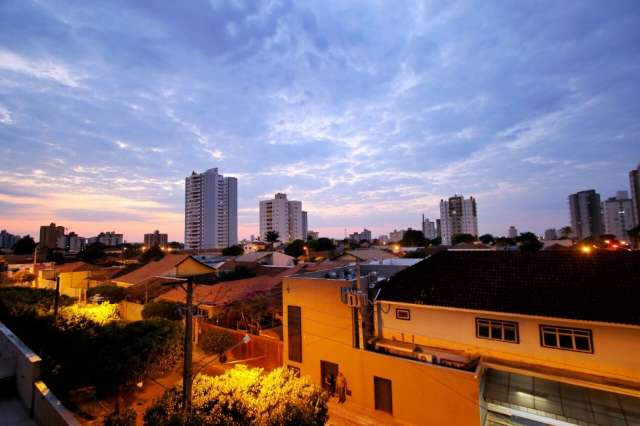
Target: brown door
{"points": [[382, 392], [328, 369]]}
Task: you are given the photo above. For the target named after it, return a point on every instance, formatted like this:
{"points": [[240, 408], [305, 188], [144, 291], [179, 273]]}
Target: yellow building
{"points": [[75, 278], [476, 338]]}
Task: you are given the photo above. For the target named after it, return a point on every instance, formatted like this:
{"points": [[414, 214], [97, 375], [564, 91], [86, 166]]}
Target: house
{"points": [[16, 265], [477, 337], [75, 278], [271, 258], [365, 255], [163, 267]]}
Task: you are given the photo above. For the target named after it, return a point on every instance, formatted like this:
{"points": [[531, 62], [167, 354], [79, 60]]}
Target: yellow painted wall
{"points": [[72, 284], [422, 393], [615, 353]]}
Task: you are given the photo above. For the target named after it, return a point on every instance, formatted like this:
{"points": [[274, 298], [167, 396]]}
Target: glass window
{"points": [[506, 331], [572, 339], [294, 325]]}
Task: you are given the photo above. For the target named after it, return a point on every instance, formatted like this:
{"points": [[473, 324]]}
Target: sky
{"points": [[369, 112]]}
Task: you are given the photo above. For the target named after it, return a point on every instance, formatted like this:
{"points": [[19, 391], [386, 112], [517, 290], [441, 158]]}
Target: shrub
{"points": [[100, 314], [126, 418], [110, 292], [244, 396], [215, 341], [162, 309]]}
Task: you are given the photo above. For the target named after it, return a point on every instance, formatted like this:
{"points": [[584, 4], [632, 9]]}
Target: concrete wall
{"points": [[18, 360], [130, 311], [421, 393], [456, 329]]}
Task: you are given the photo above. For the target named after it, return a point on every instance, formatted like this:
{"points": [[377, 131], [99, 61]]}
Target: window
{"points": [[294, 325], [506, 331], [382, 394], [571, 339], [403, 314]]}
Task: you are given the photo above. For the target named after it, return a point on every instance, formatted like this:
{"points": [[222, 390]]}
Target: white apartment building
{"points": [[396, 236], [513, 232], [109, 239], [428, 228], [282, 216], [618, 215], [211, 211], [156, 239], [458, 216]]}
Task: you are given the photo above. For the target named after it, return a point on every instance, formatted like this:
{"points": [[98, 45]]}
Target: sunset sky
{"points": [[369, 112]]}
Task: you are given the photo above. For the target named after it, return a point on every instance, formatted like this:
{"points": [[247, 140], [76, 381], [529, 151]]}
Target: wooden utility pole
{"points": [[56, 300], [188, 350]]}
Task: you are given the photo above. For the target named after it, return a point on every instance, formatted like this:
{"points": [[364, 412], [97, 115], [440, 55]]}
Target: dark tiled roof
{"points": [[602, 286]]}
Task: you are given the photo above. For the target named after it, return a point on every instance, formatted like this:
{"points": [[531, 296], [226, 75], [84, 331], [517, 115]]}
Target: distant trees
{"points": [[272, 236], [236, 250], [436, 241], [110, 292], [462, 238], [321, 244], [487, 239], [529, 242], [634, 235], [295, 248], [24, 245], [244, 396], [93, 253], [162, 309], [174, 245], [413, 238], [154, 253], [55, 256]]}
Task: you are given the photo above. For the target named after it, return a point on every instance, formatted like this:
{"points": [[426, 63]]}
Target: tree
{"points": [[236, 250], [462, 238], [162, 309], [487, 239], [529, 242], [413, 238], [111, 292], [324, 244], [55, 256], [634, 235], [244, 396], [215, 341], [154, 253], [272, 236], [436, 241], [174, 245], [24, 245], [295, 248], [565, 232], [93, 253]]}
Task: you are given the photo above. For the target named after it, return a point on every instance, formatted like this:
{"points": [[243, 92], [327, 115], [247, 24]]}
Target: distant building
{"points": [[383, 239], [109, 239], [305, 225], [282, 216], [550, 234], [513, 232], [428, 228], [313, 235], [211, 211], [458, 216], [72, 243], [438, 228], [396, 236], [634, 182], [7, 240], [49, 235], [618, 215], [156, 239], [365, 235], [586, 219]]}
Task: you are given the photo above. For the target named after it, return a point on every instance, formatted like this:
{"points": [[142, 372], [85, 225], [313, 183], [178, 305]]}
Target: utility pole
{"points": [[188, 350], [56, 300]]}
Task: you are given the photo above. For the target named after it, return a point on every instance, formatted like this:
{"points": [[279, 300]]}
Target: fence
{"points": [[261, 351]]}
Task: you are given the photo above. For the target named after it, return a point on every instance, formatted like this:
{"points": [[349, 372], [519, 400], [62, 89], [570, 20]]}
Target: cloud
{"points": [[44, 68], [5, 116]]}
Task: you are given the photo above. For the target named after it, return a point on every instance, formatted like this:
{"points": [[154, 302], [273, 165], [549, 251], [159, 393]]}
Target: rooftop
{"points": [[602, 286]]}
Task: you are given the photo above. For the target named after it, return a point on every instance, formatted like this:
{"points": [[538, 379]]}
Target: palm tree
{"points": [[272, 237]]}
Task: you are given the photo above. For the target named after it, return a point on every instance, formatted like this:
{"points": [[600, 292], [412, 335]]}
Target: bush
{"points": [[162, 309], [126, 418], [233, 251], [244, 396], [14, 299], [100, 314], [215, 341], [110, 292]]}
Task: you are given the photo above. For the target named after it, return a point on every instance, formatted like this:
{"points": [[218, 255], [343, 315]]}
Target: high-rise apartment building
{"points": [[634, 183], [458, 216], [428, 228], [282, 216], [49, 235], [550, 234], [586, 217], [109, 239], [618, 215], [156, 239], [396, 236], [305, 225], [365, 235], [7, 240], [211, 211], [513, 232]]}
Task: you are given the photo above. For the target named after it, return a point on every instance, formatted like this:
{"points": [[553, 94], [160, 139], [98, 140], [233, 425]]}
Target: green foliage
{"points": [[126, 418], [154, 253], [174, 245], [487, 239], [321, 244], [529, 242], [462, 238], [24, 245], [162, 309], [93, 253], [244, 396], [295, 248], [55, 256], [240, 272], [272, 236], [413, 238], [18, 299], [98, 313], [215, 341], [233, 251], [110, 292], [436, 241]]}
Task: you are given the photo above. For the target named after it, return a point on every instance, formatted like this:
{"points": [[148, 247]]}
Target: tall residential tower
{"points": [[586, 218], [282, 216], [618, 215], [458, 216], [634, 182], [211, 211]]}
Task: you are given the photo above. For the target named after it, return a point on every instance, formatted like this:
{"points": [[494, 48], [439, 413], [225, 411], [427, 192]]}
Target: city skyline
{"points": [[368, 115]]}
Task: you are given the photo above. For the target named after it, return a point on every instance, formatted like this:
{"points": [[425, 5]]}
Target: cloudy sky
{"points": [[368, 111]]}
